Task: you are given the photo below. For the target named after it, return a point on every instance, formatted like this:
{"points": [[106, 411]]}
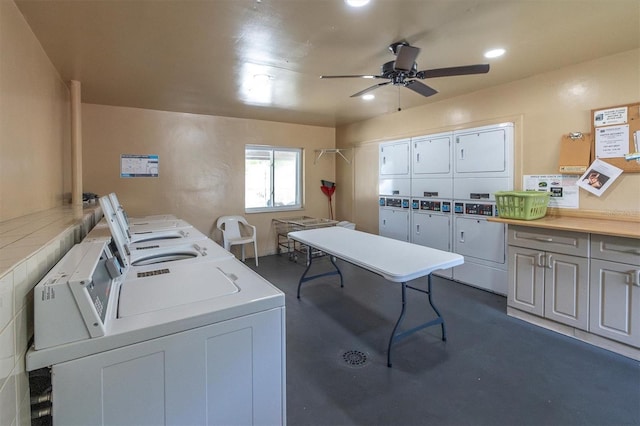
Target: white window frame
{"points": [[299, 179]]}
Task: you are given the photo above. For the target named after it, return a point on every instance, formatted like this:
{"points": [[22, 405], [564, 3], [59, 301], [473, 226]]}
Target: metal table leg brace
{"points": [[304, 277], [401, 335]]}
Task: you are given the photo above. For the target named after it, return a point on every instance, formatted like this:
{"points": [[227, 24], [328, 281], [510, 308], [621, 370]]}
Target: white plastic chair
{"points": [[230, 227]]}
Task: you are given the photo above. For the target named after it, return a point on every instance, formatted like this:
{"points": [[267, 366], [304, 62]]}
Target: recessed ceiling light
{"points": [[261, 78], [368, 97], [494, 53], [356, 3]]}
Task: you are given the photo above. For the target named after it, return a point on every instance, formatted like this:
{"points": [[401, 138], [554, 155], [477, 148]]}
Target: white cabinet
{"points": [[615, 289], [394, 159], [549, 274]]}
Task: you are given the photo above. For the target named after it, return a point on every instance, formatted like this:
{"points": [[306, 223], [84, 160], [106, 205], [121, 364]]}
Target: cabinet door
{"points": [[526, 280], [394, 158], [615, 301], [431, 230], [432, 156], [566, 284]]}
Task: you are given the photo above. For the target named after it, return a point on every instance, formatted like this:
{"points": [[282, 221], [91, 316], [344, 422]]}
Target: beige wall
{"points": [[34, 122], [34, 176], [544, 107], [201, 164]]}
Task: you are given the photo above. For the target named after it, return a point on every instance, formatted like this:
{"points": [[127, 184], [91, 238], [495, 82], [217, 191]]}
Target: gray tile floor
{"points": [[492, 370]]}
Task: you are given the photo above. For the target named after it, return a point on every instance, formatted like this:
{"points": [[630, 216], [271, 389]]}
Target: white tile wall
{"points": [[29, 247]]}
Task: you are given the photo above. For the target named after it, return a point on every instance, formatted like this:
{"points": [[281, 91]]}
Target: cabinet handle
{"points": [[462, 153], [417, 157], [462, 236], [384, 160], [546, 240], [417, 229], [635, 277], [541, 259], [549, 261]]}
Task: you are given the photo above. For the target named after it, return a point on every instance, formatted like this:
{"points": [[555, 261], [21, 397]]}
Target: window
{"points": [[272, 178]]}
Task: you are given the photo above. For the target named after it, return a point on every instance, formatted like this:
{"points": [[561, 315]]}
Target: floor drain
{"points": [[354, 358]]}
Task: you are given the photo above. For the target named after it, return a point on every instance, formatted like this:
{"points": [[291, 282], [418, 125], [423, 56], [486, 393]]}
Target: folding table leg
{"points": [[304, 277], [404, 334]]}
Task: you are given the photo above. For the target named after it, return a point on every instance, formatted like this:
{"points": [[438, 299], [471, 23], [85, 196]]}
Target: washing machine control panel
{"points": [[479, 209], [397, 202]]}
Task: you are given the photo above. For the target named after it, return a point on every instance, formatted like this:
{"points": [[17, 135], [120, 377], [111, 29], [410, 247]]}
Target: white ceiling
{"points": [[200, 56]]}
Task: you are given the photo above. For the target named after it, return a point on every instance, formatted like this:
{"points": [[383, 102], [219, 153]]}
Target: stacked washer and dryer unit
{"points": [[162, 331], [446, 183]]}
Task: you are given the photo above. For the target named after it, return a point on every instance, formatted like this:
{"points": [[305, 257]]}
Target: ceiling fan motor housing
{"points": [[389, 70]]}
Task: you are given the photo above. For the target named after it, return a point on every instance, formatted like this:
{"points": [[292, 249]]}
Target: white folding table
{"points": [[397, 261]]}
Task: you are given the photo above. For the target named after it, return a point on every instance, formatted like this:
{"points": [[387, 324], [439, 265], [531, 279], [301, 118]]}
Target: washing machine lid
{"points": [[167, 286]]}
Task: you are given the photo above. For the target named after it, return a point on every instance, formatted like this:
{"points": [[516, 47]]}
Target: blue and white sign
{"points": [[134, 165]]}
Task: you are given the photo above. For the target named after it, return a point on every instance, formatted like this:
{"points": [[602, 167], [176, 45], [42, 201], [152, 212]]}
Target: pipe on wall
{"points": [[76, 143]]}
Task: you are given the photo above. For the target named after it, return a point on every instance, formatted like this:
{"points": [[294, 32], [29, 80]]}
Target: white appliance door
{"points": [[477, 238], [394, 223], [394, 158], [431, 230], [481, 152], [432, 156]]}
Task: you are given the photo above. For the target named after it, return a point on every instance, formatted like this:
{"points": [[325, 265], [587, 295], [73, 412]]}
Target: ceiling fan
{"points": [[404, 71]]}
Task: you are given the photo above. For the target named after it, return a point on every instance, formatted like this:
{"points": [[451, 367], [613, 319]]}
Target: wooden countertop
{"points": [[601, 224]]}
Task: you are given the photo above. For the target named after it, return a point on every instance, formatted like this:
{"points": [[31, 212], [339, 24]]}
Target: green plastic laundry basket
{"points": [[525, 205]]}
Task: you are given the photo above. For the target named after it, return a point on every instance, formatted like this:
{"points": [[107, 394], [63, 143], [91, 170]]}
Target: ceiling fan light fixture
{"points": [[356, 3], [494, 53]]}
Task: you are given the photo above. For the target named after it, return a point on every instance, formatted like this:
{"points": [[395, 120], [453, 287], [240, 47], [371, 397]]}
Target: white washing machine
{"points": [[113, 198], [147, 231], [189, 248], [159, 230], [431, 226], [483, 245], [393, 217], [174, 343]]}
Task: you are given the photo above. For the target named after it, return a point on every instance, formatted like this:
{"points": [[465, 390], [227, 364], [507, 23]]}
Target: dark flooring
{"points": [[492, 370]]}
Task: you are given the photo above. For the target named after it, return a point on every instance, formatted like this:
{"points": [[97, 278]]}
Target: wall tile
{"points": [[8, 402], [21, 333], [6, 299], [20, 285], [7, 352]]}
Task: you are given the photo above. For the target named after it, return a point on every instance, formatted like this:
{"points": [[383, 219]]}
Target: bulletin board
{"points": [[616, 132]]}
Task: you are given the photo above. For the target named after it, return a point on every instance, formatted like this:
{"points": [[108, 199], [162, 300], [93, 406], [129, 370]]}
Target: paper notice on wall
{"points": [[610, 116], [612, 141], [599, 177], [563, 188], [133, 165]]}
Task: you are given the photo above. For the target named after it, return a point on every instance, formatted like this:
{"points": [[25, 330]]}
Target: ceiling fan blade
{"points": [[453, 71], [406, 57], [420, 88], [369, 89], [351, 76]]}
